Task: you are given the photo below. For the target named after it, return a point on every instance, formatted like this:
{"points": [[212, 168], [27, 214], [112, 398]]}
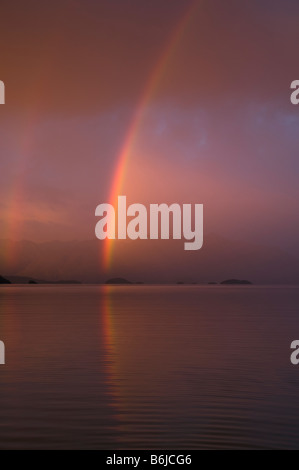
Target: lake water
{"points": [[148, 367]]}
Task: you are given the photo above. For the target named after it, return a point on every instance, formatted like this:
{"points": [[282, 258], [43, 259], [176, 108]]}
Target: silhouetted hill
{"points": [[31, 280], [4, 281], [25, 280]]}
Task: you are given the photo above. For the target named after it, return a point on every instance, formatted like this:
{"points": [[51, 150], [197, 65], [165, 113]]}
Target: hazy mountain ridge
{"points": [[150, 261]]}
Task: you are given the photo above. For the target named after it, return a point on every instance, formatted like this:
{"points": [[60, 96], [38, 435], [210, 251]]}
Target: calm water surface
{"points": [[128, 367]]}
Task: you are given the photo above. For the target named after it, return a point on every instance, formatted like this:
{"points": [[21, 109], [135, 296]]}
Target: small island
{"points": [[237, 282]]}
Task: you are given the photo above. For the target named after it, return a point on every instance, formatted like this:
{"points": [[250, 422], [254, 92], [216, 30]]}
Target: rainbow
{"points": [[15, 197], [14, 200], [140, 112], [26, 146]]}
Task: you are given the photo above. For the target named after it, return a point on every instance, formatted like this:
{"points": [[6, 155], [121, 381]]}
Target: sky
{"points": [[218, 127]]}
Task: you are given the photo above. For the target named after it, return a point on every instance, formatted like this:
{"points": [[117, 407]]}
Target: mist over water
{"points": [[120, 367]]}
